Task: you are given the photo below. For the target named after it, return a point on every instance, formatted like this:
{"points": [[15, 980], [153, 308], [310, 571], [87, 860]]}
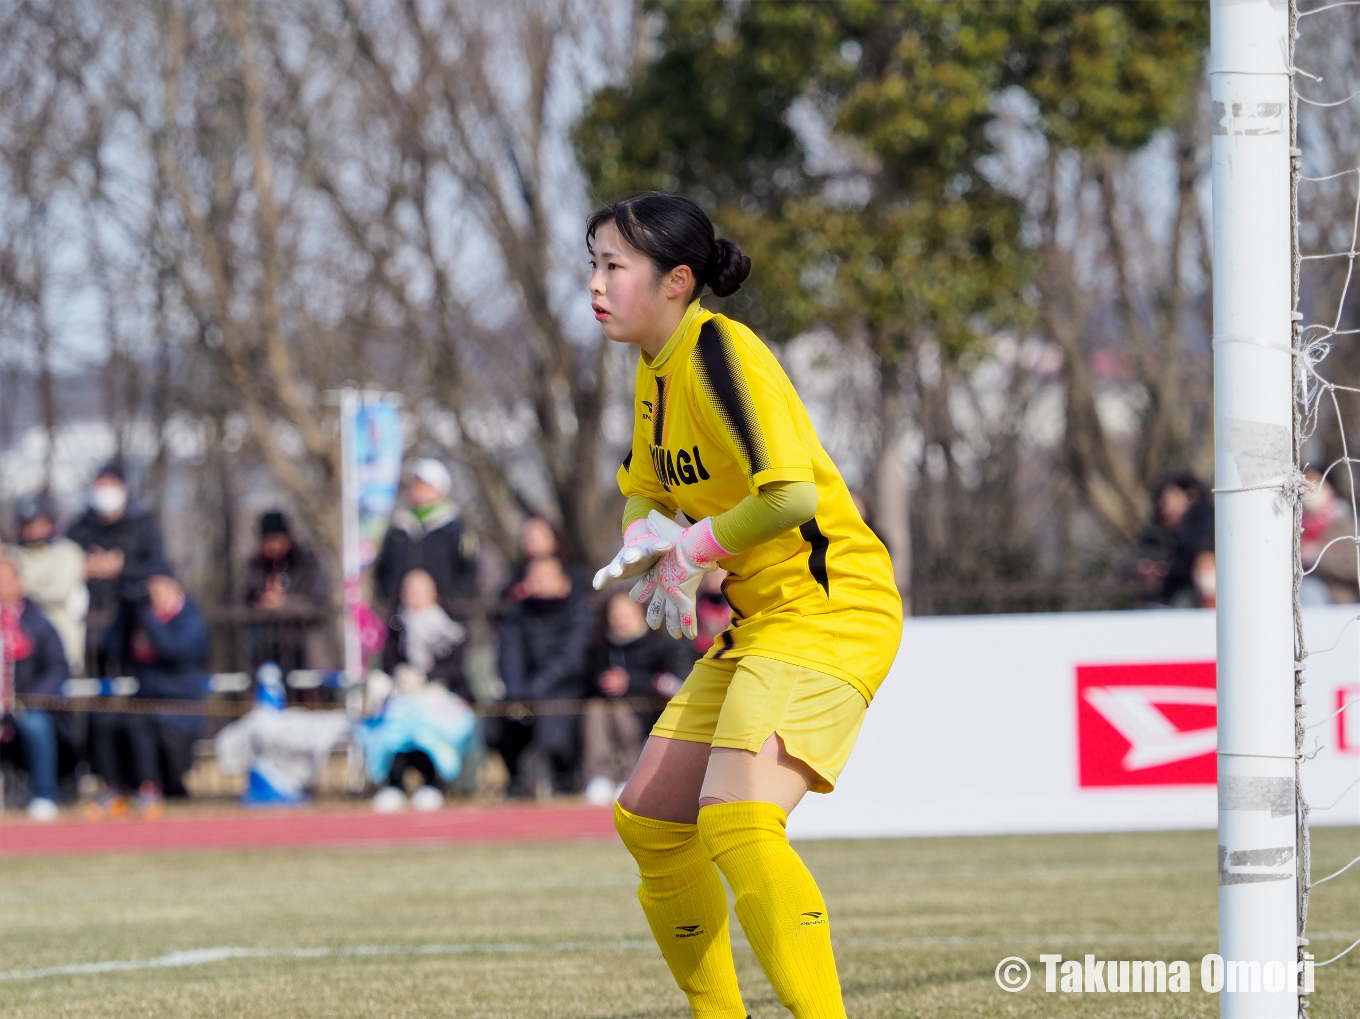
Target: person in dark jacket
{"points": [[287, 580], [32, 649], [165, 640], [1183, 528], [626, 659], [428, 534], [284, 573], [542, 650], [122, 548]]}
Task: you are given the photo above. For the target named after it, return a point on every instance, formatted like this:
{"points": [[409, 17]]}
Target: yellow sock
{"points": [[778, 904], [686, 907]]}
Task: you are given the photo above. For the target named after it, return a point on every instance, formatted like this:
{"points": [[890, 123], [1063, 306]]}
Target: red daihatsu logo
{"points": [[1146, 724]]}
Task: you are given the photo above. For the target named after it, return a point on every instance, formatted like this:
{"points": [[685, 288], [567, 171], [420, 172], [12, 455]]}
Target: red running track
{"points": [[294, 828]]}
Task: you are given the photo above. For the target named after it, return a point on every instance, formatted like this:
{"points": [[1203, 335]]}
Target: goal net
{"points": [[1325, 202]]}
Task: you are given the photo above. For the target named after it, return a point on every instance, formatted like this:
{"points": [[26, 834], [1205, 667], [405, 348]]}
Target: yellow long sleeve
{"points": [[638, 506], [777, 507]]}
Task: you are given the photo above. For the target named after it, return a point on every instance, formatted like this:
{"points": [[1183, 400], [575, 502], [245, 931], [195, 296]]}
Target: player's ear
{"points": [[678, 282]]}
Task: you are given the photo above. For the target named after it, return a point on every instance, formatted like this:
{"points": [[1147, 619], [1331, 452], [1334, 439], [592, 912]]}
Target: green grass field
{"points": [[518, 931]]}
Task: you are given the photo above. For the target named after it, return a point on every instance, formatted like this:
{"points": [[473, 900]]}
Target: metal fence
{"points": [[242, 639]]}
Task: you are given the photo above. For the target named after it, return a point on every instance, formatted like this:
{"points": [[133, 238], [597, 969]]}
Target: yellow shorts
{"points": [[739, 702]]}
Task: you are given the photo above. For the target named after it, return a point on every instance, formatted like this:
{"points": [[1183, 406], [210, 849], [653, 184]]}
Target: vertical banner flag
{"points": [[370, 431]]}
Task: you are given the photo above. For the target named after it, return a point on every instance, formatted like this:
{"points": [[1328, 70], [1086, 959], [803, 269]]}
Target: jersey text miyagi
{"points": [[715, 418]]}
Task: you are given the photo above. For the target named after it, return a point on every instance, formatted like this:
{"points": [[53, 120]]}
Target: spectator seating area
{"points": [[119, 691]]}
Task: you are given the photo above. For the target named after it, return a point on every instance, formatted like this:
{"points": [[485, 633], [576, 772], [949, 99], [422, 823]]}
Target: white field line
{"points": [[204, 956]]}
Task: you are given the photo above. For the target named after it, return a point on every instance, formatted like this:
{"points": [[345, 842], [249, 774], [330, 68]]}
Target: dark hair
{"points": [[112, 469], [273, 522], [1197, 490], [31, 508], [672, 230]]}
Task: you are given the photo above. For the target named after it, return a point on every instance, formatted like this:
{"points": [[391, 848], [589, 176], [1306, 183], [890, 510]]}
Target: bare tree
{"points": [[469, 214], [1128, 308]]}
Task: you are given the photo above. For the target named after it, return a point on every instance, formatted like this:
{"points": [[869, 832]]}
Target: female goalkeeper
{"points": [[774, 707]]}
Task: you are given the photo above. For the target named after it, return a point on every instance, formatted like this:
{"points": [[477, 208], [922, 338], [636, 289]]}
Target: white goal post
{"points": [[1254, 456]]}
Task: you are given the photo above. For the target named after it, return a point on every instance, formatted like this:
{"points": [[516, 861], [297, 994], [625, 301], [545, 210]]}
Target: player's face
{"points": [[624, 292]]}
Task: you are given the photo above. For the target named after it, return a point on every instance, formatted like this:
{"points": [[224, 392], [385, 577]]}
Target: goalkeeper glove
{"points": [[675, 579], [642, 547]]}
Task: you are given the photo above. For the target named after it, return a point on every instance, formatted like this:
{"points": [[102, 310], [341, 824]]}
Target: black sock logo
{"points": [[812, 916], [692, 931]]}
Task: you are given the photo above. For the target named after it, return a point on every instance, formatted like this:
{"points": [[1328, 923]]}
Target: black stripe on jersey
{"points": [[628, 461], [735, 611], [813, 535], [729, 641], [718, 375], [659, 413]]}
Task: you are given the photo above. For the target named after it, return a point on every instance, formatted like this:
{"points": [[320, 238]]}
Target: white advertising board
{"points": [[1091, 721]]}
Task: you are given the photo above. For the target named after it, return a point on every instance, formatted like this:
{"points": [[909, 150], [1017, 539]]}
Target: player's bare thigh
{"points": [[772, 775], [670, 774], [666, 782]]}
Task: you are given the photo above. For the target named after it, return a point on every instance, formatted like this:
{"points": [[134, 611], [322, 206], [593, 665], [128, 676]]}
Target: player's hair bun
{"points": [[729, 268]]}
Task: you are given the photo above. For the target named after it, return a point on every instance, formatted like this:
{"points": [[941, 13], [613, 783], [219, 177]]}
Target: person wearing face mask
{"points": [[53, 569], [122, 549], [1182, 527]]}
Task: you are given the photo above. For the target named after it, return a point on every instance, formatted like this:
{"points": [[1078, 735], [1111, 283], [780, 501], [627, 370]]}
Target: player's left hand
{"points": [[695, 552], [642, 547]]}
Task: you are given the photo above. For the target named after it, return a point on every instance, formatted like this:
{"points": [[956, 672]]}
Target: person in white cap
{"points": [[427, 533]]}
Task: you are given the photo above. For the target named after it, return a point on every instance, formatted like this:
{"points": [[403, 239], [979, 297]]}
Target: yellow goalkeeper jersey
{"points": [[715, 418]]}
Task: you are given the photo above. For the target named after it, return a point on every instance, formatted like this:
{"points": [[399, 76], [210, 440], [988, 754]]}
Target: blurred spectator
{"points": [[286, 578], [32, 656], [53, 569], [1327, 520], [164, 639], [627, 659], [1183, 528], [537, 540], [427, 534], [1204, 580], [543, 641], [420, 727], [122, 549], [284, 573], [713, 612], [282, 752], [423, 636]]}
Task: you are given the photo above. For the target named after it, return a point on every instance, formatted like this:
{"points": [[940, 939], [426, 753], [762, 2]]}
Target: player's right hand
{"points": [[642, 547]]}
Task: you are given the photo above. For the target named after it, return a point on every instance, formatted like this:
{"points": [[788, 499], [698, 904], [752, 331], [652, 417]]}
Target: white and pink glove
{"points": [[672, 583], [642, 547]]}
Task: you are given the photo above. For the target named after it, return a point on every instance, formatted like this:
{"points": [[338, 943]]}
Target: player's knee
{"points": [[626, 825], [648, 838], [725, 827]]}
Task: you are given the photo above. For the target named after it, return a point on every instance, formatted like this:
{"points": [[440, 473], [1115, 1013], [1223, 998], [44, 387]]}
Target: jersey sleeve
{"points": [[743, 400]]}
